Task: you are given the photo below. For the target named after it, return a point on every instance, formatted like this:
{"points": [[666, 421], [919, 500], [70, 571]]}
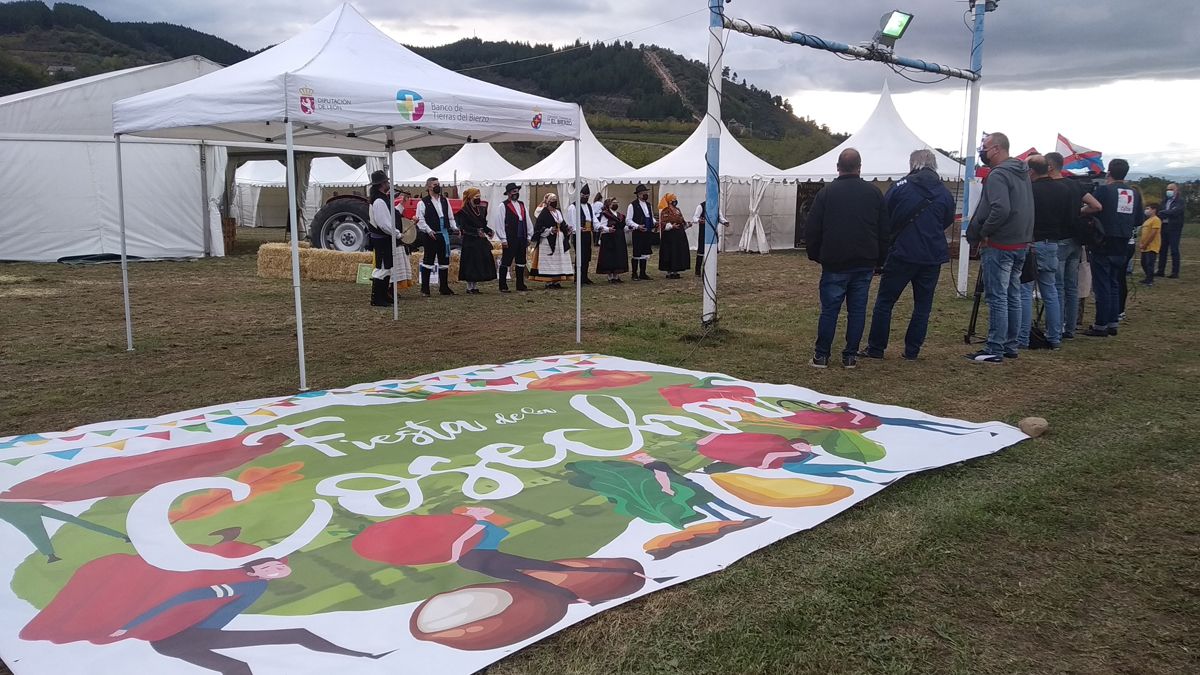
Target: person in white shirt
{"points": [[514, 237], [698, 218], [435, 220], [640, 218], [582, 217], [382, 235], [551, 259]]}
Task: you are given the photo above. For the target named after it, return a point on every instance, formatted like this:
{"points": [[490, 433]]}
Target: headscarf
{"points": [[666, 200], [470, 194], [548, 197]]}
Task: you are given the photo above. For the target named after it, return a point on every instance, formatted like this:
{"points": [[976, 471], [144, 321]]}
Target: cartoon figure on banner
{"points": [[29, 517], [183, 615], [768, 451], [830, 415]]}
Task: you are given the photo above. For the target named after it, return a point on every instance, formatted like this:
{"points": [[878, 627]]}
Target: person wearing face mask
{"points": [[1149, 241], [514, 238], [475, 263], [436, 223], [583, 218], [551, 262], [673, 253], [383, 233], [614, 252], [699, 218], [1171, 214], [640, 217]]}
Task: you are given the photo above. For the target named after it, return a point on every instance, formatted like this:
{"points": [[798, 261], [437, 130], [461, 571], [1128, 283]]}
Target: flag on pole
{"points": [[1078, 159]]}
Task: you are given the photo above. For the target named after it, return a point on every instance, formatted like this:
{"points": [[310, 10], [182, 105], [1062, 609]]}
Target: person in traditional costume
{"points": [[551, 235], [640, 218], [583, 218], [436, 223], [698, 218], [382, 235], [514, 238], [673, 254], [475, 263], [614, 252]]}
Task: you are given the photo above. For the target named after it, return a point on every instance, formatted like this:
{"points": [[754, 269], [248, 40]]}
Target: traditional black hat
{"points": [[378, 177], [640, 188], [510, 187], [585, 190]]}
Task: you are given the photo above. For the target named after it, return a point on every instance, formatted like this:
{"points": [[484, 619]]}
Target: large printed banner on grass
{"points": [[431, 525]]}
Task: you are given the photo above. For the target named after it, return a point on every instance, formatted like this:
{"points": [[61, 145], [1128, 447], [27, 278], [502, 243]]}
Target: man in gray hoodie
{"points": [[1003, 226]]}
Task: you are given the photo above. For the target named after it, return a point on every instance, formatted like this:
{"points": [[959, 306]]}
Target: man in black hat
{"points": [[514, 237], [582, 216], [435, 220], [640, 217], [381, 235]]}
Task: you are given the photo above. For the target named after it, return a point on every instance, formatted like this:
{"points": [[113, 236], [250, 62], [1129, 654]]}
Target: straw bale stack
{"points": [[317, 264]]}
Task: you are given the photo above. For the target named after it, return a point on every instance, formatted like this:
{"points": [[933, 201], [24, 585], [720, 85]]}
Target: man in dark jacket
{"points": [[1122, 213], [1003, 224], [919, 209], [847, 234], [1171, 213]]}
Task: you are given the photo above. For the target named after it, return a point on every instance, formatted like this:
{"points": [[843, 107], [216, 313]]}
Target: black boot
{"points": [[504, 280], [379, 293], [586, 281], [425, 272], [444, 281], [642, 267], [521, 279], [633, 269], [699, 264]]}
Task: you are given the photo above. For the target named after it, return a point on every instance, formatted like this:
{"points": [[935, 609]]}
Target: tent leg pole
{"points": [[391, 144], [964, 248], [712, 192], [292, 220], [205, 220], [124, 253], [579, 271]]}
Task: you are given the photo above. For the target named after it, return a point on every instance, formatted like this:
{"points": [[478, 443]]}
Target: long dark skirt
{"points": [[674, 255], [476, 262], [643, 244], [614, 254]]}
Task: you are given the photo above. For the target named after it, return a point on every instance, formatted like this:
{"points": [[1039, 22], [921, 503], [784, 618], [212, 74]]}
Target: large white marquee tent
{"points": [[342, 83], [58, 187], [596, 165]]}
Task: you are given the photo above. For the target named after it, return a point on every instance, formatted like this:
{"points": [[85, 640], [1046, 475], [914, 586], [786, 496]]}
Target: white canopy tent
{"points": [[768, 211], [342, 83], [472, 165], [260, 193], [884, 141], [57, 183], [596, 164]]}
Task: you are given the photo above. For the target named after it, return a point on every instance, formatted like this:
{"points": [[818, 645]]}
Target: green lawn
{"points": [[1076, 552]]}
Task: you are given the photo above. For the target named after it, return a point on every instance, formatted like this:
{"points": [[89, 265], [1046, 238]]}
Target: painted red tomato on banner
{"points": [[681, 394], [761, 451], [589, 379], [415, 540]]}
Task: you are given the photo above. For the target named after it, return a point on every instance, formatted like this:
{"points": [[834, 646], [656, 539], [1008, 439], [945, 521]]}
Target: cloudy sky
{"points": [[1120, 77]]}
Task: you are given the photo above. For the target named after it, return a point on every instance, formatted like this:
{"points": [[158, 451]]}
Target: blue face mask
{"points": [[1170, 193]]}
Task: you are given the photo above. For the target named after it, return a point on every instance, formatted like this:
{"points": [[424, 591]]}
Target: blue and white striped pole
{"points": [[712, 184], [964, 249]]}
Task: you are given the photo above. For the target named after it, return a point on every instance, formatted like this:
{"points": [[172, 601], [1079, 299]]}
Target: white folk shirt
{"points": [[516, 208], [436, 200], [589, 215], [380, 219], [651, 221]]}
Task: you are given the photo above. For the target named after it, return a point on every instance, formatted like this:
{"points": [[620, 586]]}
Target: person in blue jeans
{"points": [[1070, 250], [920, 208], [1003, 224], [1122, 213], [847, 234], [1055, 206]]}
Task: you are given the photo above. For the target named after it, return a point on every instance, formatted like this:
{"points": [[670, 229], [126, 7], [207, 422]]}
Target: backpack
{"points": [[1088, 231]]}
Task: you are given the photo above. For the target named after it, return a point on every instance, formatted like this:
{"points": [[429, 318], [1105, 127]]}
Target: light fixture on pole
{"points": [[891, 28]]}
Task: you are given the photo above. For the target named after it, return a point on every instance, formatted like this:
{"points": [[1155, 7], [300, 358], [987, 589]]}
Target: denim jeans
{"points": [[1047, 277], [851, 286], [897, 275], [1148, 258], [1171, 234], [1067, 283], [1107, 270], [1002, 287]]}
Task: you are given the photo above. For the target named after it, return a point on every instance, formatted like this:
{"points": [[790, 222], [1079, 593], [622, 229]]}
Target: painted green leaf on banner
{"points": [[635, 492], [855, 446]]}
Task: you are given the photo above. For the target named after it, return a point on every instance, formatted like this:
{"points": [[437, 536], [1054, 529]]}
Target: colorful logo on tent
{"points": [[308, 101], [536, 123], [410, 104]]}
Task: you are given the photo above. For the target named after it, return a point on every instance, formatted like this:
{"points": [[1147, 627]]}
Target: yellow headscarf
{"points": [[666, 200], [469, 194]]}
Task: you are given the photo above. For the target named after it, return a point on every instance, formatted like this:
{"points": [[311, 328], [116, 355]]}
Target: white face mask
{"points": [[1170, 193], [1147, 212]]}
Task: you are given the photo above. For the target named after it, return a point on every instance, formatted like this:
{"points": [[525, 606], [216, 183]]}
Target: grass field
{"points": [[1078, 552]]}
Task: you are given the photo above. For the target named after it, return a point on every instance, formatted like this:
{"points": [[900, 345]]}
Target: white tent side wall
{"points": [[60, 200]]}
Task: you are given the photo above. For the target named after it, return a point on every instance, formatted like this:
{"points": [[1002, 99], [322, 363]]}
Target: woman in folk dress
{"points": [[476, 262], [673, 253], [551, 262], [614, 251]]}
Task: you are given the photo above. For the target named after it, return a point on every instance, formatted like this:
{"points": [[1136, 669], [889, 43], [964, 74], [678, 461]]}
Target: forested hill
{"points": [[41, 45]]}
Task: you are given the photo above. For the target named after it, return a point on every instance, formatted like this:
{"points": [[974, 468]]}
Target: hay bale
{"points": [[316, 264], [416, 265]]}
